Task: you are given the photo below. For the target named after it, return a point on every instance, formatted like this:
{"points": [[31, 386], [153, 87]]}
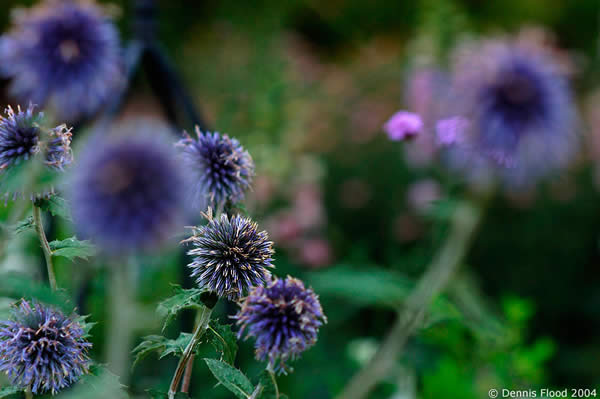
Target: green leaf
{"points": [[224, 340], [9, 391], [24, 225], [99, 384], [162, 345], [231, 378], [57, 206], [181, 299], [154, 394], [19, 286], [72, 248]]}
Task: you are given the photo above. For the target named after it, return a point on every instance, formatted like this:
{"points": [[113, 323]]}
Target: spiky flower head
{"points": [[284, 317], [510, 113], [230, 255], [42, 349], [82, 66], [221, 169], [29, 152], [126, 192]]}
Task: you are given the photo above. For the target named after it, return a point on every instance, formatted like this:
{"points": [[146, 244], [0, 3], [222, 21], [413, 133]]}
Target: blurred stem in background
{"points": [[464, 222], [39, 229], [121, 292]]}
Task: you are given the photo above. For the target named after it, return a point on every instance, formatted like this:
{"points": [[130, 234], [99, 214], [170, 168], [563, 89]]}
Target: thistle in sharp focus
{"points": [[26, 144], [284, 317], [42, 349], [222, 170], [230, 255], [82, 65]]}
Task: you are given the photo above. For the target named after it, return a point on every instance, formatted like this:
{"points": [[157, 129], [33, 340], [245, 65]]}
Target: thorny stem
{"points": [[39, 229], [189, 350], [464, 223]]}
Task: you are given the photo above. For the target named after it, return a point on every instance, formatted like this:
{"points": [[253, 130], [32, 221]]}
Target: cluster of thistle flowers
{"points": [[503, 113], [232, 257]]}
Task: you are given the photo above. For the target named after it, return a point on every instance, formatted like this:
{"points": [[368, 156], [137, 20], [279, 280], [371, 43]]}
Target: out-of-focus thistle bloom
{"points": [[403, 125], [230, 255], [511, 113], [127, 193], [284, 317], [64, 55], [222, 170], [42, 349], [23, 142]]}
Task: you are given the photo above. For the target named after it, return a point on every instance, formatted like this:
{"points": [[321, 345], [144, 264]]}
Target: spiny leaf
{"points": [[24, 225], [72, 248], [224, 340], [162, 345], [57, 206], [231, 378], [181, 299], [9, 391], [18, 286]]}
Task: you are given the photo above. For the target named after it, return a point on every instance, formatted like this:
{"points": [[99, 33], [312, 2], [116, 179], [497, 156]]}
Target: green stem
{"points": [[274, 380], [39, 228], [436, 277], [121, 289], [28, 394], [257, 391], [189, 350]]}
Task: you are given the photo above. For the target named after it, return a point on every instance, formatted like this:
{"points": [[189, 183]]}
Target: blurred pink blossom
{"points": [[451, 130], [422, 194], [316, 252], [403, 125]]}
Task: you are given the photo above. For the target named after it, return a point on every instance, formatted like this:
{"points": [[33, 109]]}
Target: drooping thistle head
{"points": [[63, 55], [42, 349], [510, 113], [230, 255], [26, 145], [126, 193], [284, 317], [221, 169]]}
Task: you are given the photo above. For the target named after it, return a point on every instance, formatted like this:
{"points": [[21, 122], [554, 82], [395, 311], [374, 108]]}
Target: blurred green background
{"points": [[306, 86]]}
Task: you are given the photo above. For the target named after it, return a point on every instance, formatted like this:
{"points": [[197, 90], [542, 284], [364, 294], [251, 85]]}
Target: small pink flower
{"points": [[403, 125], [452, 130]]}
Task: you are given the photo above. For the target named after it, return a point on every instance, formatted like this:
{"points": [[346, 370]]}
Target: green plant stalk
{"points": [[189, 350], [274, 380], [28, 394], [464, 223], [121, 289], [39, 229], [187, 376]]}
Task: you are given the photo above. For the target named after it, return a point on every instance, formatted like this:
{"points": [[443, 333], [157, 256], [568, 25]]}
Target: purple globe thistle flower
{"points": [[284, 317], [222, 170], [24, 140], [403, 125], [79, 46], [126, 193], [512, 114], [42, 349], [230, 255]]}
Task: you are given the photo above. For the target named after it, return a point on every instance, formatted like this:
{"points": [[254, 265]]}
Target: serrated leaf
{"points": [[231, 378], [72, 248], [24, 225], [99, 384], [9, 391], [18, 286], [162, 345], [57, 206], [181, 299], [224, 340]]}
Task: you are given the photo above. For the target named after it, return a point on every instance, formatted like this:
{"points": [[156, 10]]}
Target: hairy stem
{"points": [[189, 350], [464, 222], [39, 229], [187, 376]]}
